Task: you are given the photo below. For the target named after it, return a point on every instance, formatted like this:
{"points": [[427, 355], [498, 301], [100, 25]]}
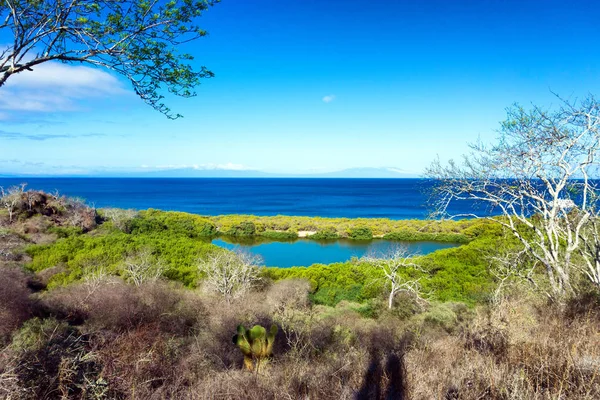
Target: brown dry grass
{"points": [[15, 305], [515, 352], [158, 341]]}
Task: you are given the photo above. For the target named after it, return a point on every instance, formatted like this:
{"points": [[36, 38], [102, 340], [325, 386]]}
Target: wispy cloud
{"points": [[19, 167], [227, 166], [22, 163], [42, 137], [72, 77], [53, 87], [329, 98], [14, 118]]}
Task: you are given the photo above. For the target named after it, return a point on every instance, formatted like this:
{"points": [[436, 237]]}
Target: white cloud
{"points": [[227, 166], [329, 98], [73, 77], [54, 87]]}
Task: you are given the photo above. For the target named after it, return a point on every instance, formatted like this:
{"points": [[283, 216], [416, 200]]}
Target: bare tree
{"points": [[590, 250], [230, 273], [511, 267], [11, 199], [137, 39], [119, 217], [30, 197], [142, 267], [537, 181], [396, 266]]}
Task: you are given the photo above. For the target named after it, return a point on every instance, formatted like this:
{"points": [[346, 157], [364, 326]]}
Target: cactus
{"points": [[255, 344]]}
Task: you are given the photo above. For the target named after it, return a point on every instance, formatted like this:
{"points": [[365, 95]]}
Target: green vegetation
{"points": [[457, 274], [178, 240], [326, 234], [277, 235], [360, 233], [80, 255], [335, 228], [178, 223]]}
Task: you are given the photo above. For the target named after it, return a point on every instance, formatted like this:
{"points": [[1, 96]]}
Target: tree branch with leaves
{"points": [[138, 39]]}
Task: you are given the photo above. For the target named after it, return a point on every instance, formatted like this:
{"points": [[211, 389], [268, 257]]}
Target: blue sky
{"points": [[311, 85]]}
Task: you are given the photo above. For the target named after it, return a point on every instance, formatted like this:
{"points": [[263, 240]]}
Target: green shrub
{"points": [[35, 333], [408, 236], [140, 225], [405, 306], [277, 235], [371, 308], [330, 296], [82, 254], [178, 223], [361, 233], [441, 315], [326, 234], [245, 228], [65, 231]]}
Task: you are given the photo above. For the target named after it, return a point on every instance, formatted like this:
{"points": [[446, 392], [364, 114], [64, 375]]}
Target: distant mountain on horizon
{"points": [[202, 173], [386, 172]]}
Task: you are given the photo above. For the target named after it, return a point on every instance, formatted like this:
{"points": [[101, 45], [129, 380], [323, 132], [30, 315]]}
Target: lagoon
{"points": [[305, 252]]}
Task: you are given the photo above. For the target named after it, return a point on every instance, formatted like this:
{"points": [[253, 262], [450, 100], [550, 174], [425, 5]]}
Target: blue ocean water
{"points": [[369, 198]]}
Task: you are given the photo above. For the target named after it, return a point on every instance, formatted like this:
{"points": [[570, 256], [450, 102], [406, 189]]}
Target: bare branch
{"points": [[228, 273], [396, 266], [143, 267], [536, 182]]}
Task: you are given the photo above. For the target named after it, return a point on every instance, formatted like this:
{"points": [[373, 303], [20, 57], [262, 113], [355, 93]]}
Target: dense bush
{"points": [[245, 228], [83, 254], [65, 231], [360, 233], [15, 304], [333, 295], [326, 234], [277, 235], [177, 223], [119, 218], [408, 236], [335, 282], [110, 303], [51, 360]]}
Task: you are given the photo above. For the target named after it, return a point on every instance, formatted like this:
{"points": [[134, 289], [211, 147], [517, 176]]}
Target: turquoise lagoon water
{"points": [[305, 252]]}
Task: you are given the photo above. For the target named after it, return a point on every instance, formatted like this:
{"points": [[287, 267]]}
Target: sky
{"points": [[313, 86]]}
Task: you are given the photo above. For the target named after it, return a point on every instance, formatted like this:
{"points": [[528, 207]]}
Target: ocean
{"points": [[325, 197]]}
